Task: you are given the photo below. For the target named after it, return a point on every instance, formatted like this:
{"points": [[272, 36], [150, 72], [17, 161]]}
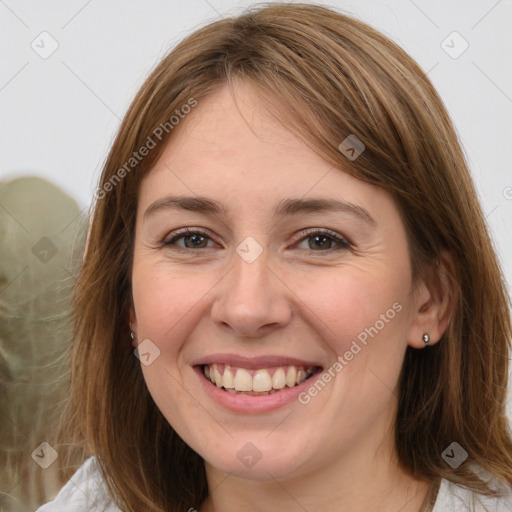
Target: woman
{"points": [[287, 237]]}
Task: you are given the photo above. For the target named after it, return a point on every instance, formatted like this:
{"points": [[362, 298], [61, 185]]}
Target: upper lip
{"points": [[252, 362]]}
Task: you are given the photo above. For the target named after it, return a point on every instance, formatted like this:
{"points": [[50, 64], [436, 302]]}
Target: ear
{"points": [[133, 323], [434, 303]]}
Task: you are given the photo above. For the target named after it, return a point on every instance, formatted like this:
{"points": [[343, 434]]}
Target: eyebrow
{"points": [[286, 207]]}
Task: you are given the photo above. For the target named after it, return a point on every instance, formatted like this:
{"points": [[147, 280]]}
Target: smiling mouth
{"points": [[265, 381]]}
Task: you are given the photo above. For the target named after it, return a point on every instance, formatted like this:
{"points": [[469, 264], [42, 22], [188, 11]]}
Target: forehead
{"points": [[232, 150], [233, 125]]}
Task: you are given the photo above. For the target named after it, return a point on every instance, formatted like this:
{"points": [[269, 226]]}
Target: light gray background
{"points": [[58, 116]]}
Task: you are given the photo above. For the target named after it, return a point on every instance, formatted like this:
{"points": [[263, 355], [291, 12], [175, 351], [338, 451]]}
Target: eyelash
{"points": [[343, 243]]}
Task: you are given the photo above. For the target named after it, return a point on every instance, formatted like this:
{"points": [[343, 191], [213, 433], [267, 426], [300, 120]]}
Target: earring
{"points": [[132, 335], [426, 339]]}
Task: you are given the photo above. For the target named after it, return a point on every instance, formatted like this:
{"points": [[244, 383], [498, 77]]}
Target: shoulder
{"points": [[455, 498], [84, 491]]}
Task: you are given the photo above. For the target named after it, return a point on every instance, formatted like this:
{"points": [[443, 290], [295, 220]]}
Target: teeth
{"points": [[260, 382], [218, 376], [228, 380], [243, 380], [291, 377], [279, 379]]}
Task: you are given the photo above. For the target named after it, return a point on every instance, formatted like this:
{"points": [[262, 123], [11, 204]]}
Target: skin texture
{"points": [[335, 452]]}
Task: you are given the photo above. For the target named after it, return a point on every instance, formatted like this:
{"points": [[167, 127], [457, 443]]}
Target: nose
{"points": [[251, 299]]}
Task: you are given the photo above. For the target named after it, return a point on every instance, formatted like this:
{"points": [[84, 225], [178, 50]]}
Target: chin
{"points": [[259, 461]]}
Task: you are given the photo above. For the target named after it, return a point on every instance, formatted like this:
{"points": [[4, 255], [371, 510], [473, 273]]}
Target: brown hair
{"points": [[326, 76]]}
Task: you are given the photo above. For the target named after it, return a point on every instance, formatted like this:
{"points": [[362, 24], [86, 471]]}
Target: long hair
{"points": [[325, 76]]}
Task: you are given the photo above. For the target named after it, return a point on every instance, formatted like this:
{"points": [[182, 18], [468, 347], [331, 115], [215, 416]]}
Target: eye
{"points": [[192, 239], [323, 239]]}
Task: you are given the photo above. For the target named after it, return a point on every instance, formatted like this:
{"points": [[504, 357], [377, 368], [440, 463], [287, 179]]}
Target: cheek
{"points": [[346, 303], [165, 301], [361, 316]]}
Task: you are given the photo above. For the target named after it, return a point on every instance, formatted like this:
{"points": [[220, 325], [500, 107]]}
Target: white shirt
{"points": [[86, 491]]}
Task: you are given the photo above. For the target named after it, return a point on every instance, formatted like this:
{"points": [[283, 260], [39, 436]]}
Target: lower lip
{"points": [[251, 404]]}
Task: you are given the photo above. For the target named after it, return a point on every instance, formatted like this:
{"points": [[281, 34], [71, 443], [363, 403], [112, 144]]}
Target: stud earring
{"points": [[426, 339], [132, 335]]}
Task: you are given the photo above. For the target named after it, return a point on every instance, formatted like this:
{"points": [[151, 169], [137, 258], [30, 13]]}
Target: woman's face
{"points": [[256, 290]]}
